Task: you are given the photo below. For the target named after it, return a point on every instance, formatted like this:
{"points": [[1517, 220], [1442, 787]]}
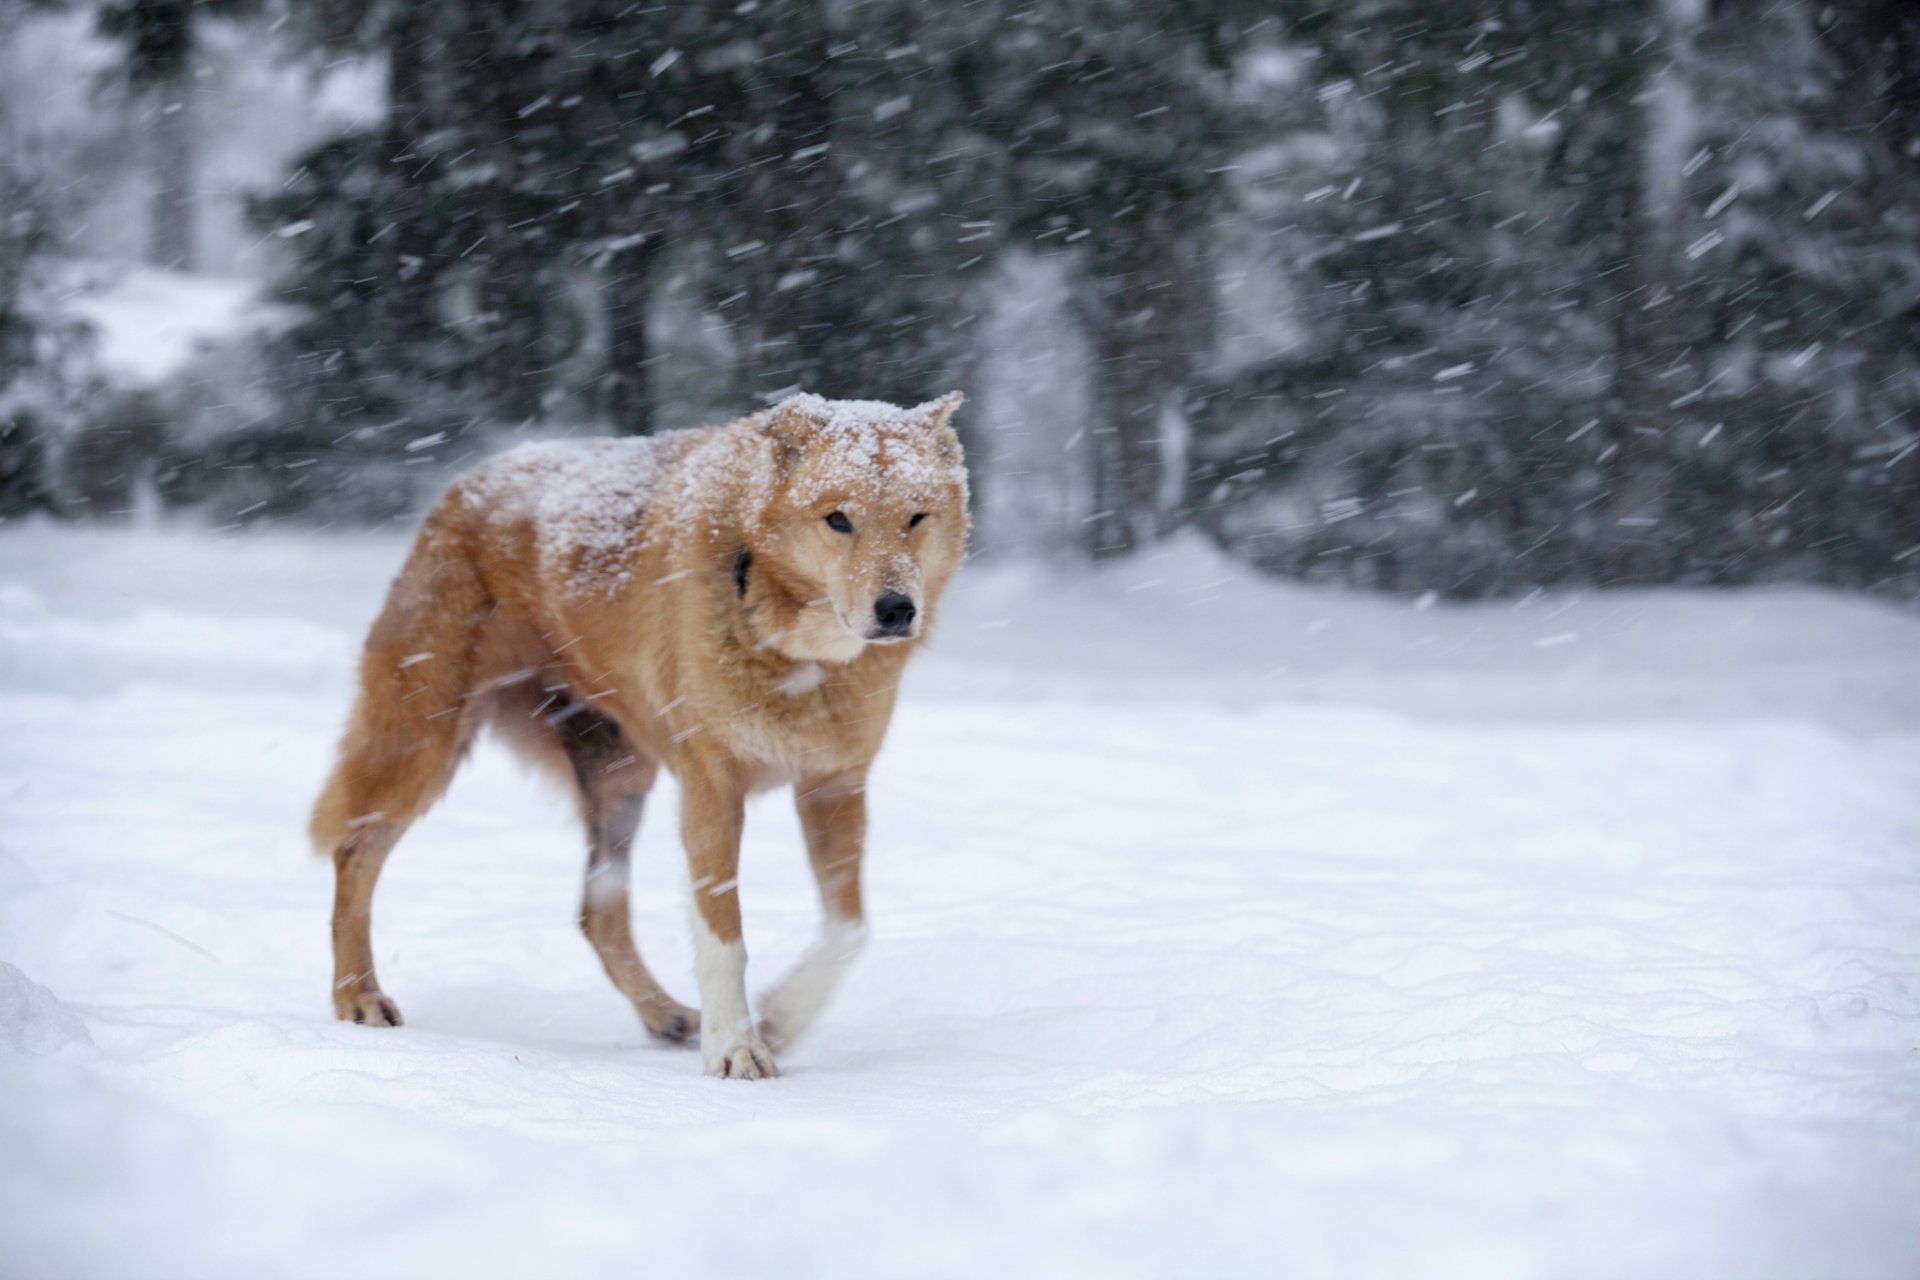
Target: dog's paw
{"points": [[793, 1006], [671, 1021], [747, 1060], [780, 1027], [371, 1008], [774, 1034], [782, 1018]]}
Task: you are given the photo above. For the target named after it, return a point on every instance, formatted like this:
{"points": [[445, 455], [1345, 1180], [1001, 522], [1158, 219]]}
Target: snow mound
{"points": [[151, 322], [32, 1018], [43, 649], [1184, 621]]}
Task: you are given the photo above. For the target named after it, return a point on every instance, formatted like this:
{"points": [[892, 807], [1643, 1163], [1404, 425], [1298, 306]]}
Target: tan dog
{"points": [[735, 603]]}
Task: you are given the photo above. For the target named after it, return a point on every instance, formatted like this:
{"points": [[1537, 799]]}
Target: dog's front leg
{"points": [[833, 812], [712, 810]]}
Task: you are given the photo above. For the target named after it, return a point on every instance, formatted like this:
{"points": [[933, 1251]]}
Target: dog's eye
{"points": [[918, 516], [838, 522]]}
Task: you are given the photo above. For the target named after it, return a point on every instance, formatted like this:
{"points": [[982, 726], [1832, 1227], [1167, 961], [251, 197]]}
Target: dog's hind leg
{"points": [[381, 794], [356, 865], [833, 813], [411, 723], [613, 781]]}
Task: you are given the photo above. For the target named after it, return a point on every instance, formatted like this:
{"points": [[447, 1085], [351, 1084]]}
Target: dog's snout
{"points": [[894, 614]]}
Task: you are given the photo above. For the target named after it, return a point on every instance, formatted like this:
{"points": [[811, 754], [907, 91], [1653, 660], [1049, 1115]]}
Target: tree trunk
{"points": [[512, 297], [628, 291], [1152, 319], [511, 258], [815, 330], [1651, 350], [170, 231], [410, 318]]}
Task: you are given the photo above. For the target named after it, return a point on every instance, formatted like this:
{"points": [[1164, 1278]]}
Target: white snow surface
{"points": [[1219, 927], [150, 322]]}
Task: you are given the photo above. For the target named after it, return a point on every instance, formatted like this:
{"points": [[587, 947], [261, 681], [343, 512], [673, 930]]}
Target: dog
{"points": [[735, 604]]}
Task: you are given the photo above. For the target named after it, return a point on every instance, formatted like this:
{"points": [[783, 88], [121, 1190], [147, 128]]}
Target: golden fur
{"points": [[682, 601]]}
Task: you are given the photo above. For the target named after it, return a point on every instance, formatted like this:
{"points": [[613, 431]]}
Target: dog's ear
{"points": [[938, 415], [793, 424]]}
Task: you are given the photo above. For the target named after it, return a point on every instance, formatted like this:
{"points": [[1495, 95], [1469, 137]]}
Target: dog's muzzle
{"points": [[893, 617]]}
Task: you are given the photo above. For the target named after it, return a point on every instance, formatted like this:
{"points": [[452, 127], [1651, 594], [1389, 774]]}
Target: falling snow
{"points": [[1417, 778]]}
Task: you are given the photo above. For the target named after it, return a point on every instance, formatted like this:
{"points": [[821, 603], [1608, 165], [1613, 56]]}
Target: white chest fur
{"points": [[803, 679]]}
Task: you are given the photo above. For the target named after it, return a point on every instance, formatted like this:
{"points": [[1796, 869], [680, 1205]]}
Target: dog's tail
{"points": [[412, 718], [333, 819]]}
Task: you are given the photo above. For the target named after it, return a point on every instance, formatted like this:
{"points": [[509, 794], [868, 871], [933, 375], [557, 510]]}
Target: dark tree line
{"points": [[1575, 291], [1598, 292], [840, 179]]}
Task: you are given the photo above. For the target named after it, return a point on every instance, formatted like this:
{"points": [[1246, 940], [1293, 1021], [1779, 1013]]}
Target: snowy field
{"points": [[1221, 928]]}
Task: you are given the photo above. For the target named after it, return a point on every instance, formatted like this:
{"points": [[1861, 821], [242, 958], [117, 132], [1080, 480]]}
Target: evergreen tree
{"points": [[1572, 292], [1110, 125], [159, 39]]}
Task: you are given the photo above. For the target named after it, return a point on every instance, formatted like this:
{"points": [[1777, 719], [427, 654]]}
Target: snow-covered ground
{"points": [[149, 321], [1222, 928]]}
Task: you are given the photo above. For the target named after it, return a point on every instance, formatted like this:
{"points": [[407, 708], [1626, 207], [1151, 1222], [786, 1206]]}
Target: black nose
{"points": [[894, 612]]}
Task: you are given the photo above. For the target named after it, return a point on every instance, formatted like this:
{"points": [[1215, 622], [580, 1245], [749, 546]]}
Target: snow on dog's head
{"points": [[864, 523]]}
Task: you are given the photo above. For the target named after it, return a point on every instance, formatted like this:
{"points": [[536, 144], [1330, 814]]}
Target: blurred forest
{"points": [[1439, 296]]}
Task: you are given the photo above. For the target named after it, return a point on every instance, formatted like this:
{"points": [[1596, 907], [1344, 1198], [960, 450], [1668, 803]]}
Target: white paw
{"points": [[791, 1007], [783, 1017], [748, 1059], [774, 1032]]}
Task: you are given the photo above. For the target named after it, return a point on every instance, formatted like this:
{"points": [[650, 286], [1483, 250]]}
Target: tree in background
{"points": [[835, 205], [45, 371], [1590, 293], [158, 43], [1107, 128], [553, 143], [1443, 295], [24, 234], [1423, 430], [1807, 237]]}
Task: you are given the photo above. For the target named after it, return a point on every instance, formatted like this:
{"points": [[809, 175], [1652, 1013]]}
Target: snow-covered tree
{"points": [[159, 41]]}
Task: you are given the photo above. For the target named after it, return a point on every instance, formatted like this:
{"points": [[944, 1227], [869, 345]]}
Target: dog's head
{"points": [[865, 522]]}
